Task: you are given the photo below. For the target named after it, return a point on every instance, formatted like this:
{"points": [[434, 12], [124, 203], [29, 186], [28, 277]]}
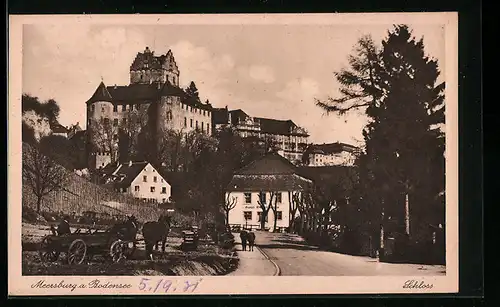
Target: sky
{"points": [[267, 70]]}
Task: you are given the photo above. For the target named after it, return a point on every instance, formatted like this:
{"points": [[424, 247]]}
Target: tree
{"points": [[128, 133], [192, 92], [49, 109], [229, 205], [28, 134], [273, 204], [62, 150], [293, 202], [265, 207], [403, 158], [42, 174], [104, 136]]}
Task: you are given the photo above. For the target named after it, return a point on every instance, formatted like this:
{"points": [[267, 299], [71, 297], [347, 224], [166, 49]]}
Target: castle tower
{"points": [[101, 149], [148, 68]]}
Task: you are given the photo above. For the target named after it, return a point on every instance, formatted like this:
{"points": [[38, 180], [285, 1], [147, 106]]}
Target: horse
{"points": [[127, 230], [154, 232]]}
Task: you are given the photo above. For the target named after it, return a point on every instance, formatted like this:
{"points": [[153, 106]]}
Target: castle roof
{"points": [[134, 93], [101, 94], [154, 62]]}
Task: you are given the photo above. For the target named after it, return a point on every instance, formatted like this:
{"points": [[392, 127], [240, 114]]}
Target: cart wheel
{"points": [[47, 252], [77, 252], [117, 251]]}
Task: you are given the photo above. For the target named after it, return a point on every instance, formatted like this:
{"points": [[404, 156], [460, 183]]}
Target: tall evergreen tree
{"points": [[192, 92], [404, 147]]}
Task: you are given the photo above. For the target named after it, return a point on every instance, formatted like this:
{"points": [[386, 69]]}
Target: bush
{"points": [[29, 215]]}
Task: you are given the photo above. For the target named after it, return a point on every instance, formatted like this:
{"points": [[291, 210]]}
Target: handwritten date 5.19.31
{"points": [[153, 285]]}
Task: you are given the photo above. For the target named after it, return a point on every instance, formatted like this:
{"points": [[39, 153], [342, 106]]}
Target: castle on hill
{"points": [[153, 99]]}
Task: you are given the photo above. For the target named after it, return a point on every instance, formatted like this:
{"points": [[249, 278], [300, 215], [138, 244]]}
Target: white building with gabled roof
{"points": [[139, 179]]}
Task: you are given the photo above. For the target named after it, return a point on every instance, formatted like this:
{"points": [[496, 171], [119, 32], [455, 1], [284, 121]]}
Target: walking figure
{"points": [[244, 238], [251, 240]]}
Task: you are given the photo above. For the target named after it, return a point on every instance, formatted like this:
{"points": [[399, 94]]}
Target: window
{"points": [[278, 197], [103, 110], [152, 189], [137, 188], [115, 108], [259, 215], [145, 178], [115, 122], [161, 180], [203, 112], [279, 215], [262, 197], [173, 80], [248, 198], [208, 128], [93, 108], [124, 107], [191, 123], [191, 109], [247, 215], [155, 179], [164, 190], [185, 122], [196, 125]]}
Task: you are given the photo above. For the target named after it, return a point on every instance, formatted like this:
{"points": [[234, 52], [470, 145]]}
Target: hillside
{"points": [[81, 195]]}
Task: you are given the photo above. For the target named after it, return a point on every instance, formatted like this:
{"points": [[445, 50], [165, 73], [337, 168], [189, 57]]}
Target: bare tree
{"points": [[128, 130], [229, 205], [265, 207], [273, 204], [104, 136], [42, 174], [293, 200]]}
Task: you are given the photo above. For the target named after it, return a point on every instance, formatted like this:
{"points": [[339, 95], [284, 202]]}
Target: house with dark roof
{"points": [[153, 98], [330, 154], [58, 129], [272, 178], [288, 138], [139, 179]]}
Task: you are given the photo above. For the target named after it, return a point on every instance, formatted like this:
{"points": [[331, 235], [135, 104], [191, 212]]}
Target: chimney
{"points": [[130, 163]]}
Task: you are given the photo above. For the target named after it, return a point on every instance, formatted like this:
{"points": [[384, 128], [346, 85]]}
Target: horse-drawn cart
{"points": [[79, 246]]}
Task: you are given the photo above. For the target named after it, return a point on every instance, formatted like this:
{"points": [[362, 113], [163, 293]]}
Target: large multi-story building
{"points": [[152, 99], [330, 154], [289, 139]]}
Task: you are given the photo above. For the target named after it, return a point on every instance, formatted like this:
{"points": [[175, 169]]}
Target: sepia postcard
{"points": [[233, 154]]}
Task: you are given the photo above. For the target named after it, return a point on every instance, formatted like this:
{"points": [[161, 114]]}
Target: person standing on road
{"points": [[244, 238], [251, 240]]}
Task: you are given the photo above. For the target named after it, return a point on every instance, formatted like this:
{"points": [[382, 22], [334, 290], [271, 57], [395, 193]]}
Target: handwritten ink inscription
{"points": [[416, 284], [168, 286]]}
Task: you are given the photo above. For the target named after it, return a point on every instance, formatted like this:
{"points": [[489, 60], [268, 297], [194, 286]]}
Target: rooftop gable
{"points": [[269, 164]]}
